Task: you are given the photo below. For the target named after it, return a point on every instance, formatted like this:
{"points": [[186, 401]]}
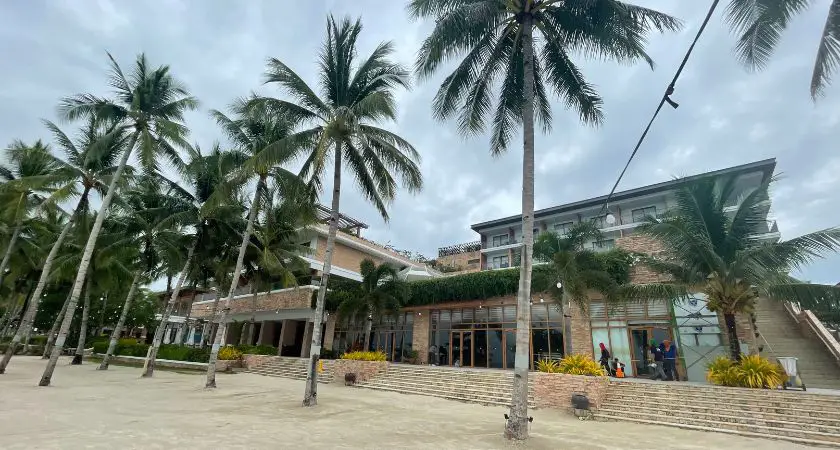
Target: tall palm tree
{"points": [[722, 254], [381, 293], [252, 131], [342, 126], [760, 25], [149, 105], [497, 37], [88, 165]]}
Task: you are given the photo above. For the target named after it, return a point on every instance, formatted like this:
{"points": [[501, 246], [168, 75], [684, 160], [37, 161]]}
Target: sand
{"points": [[85, 408]]}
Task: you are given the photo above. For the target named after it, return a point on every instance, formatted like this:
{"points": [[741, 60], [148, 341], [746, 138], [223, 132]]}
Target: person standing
{"points": [[669, 352], [605, 359], [658, 361]]}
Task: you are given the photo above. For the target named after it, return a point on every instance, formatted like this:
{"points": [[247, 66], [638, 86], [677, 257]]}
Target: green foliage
{"points": [[475, 286], [752, 371], [365, 356], [229, 353], [579, 364], [548, 366], [257, 349], [328, 353]]}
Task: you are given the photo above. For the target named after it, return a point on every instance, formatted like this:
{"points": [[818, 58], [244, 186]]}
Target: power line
{"points": [[665, 98]]}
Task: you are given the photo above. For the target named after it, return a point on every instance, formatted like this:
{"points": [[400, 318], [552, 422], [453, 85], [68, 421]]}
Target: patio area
{"points": [[89, 409]]}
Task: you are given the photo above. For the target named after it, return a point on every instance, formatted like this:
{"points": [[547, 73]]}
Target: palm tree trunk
{"points": [[732, 335], [149, 364], [207, 331], [252, 322], [54, 329], [14, 313], [29, 317], [368, 326], [220, 334], [8, 254], [115, 335], [81, 276], [80, 347], [517, 424], [186, 336], [310, 396], [567, 326]]}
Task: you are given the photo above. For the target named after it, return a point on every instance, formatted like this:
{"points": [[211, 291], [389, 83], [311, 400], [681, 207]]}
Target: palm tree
{"points": [[579, 270], [252, 131], [88, 164], [497, 37], [722, 254], [760, 25], [356, 97], [381, 293], [150, 106]]}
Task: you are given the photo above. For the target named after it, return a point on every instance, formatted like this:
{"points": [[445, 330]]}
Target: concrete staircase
{"points": [[286, 367], [482, 386], [817, 367], [794, 416]]}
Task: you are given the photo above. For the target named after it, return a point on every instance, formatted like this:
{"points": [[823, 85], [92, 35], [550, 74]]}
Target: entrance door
{"points": [[461, 348], [385, 344], [640, 343]]}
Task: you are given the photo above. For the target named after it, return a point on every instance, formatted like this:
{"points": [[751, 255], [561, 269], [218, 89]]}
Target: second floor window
{"points": [[640, 213], [500, 240], [603, 245], [563, 228]]}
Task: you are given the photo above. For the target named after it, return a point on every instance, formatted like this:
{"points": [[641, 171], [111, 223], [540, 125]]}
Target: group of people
{"points": [[664, 361]]}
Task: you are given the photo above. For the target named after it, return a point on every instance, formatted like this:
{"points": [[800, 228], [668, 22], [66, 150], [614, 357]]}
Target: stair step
{"points": [[438, 386], [656, 402], [805, 437], [484, 400]]}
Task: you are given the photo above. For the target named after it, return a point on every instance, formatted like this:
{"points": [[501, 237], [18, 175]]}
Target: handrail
{"points": [[793, 310], [822, 333]]}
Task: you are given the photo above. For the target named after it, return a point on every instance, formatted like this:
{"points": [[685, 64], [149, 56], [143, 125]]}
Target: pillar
{"points": [[204, 333], [420, 336], [190, 335], [179, 334], [307, 339], [263, 338], [581, 330], [165, 333], [329, 332], [284, 331]]}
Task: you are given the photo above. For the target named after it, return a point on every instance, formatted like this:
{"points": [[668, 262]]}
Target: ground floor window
{"points": [[392, 335]]}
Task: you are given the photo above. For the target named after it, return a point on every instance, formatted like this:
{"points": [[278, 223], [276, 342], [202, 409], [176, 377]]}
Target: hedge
{"points": [[130, 347]]}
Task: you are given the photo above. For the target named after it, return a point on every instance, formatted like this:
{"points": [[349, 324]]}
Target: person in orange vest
{"points": [[619, 369]]}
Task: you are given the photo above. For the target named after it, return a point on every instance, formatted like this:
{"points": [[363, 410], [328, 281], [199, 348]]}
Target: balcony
{"points": [[512, 243], [491, 266]]}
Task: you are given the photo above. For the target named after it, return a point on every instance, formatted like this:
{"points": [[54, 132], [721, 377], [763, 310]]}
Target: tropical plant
{"points": [[759, 26], [548, 366], [580, 364], [380, 293], [752, 371], [365, 356], [497, 37], [229, 353], [725, 255], [356, 95], [150, 106], [722, 371]]}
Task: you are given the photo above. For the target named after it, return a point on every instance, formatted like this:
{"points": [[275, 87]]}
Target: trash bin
{"points": [[790, 364]]}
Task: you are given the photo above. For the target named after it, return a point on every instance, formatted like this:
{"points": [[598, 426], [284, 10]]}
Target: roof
{"points": [[344, 221], [767, 166]]}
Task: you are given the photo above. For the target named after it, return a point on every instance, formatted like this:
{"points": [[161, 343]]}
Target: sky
{"points": [[727, 115]]}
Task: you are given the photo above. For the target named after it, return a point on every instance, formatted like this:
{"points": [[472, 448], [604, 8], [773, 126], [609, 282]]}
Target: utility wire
{"points": [[665, 98]]}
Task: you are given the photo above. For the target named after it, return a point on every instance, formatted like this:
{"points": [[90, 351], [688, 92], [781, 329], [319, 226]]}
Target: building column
{"points": [[190, 335], [166, 333], [204, 332], [329, 332], [307, 340], [420, 336], [284, 331], [581, 330], [179, 334]]}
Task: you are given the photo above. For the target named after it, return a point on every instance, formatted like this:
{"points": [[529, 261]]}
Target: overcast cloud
{"points": [[727, 116]]}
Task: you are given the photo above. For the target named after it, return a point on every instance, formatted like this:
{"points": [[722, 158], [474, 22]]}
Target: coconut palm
{"points": [[149, 105], [724, 256], [497, 37], [759, 26], [381, 293], [87, 165], [252, 131], [341, 126]]}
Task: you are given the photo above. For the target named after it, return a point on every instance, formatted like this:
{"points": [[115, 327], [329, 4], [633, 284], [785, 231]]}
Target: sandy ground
{"points": [[117, 409]]}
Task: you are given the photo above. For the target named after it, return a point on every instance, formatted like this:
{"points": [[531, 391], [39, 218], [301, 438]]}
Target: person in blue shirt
{"points": [[669, 352]]}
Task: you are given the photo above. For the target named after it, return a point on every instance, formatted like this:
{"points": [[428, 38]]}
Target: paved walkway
{"points": [[117, 409]]}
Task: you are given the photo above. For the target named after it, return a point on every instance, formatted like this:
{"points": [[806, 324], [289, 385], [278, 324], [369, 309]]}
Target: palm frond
{"points": [[828, 53]]}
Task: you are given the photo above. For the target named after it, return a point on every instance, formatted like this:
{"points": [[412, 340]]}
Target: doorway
{"points": [[385, 343], [461, 348], [640, 338]]}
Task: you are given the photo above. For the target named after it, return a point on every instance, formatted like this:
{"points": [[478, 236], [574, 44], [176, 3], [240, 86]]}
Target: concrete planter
{"points": [[364, 370], [555, 390]]}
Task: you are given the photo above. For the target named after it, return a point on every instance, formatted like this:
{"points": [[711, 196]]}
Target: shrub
{"points": [[580, 365], [327, 353], [257, 349], [752, 371], [365, 356], [548, 366], [411, 356], [100, 347], [229, 353], [199, 354], [38, 340]]}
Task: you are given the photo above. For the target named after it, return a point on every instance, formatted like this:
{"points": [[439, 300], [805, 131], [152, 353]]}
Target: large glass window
{"points": [[563, 228], [639, 214], [501, 239]]}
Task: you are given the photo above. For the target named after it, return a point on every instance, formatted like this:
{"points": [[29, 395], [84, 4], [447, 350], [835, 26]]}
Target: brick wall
{"points": [[420, 336], [251, 361], [554, 390], [297, 298], [364, 370], [581, 330], [461, 261], [640, 274]]}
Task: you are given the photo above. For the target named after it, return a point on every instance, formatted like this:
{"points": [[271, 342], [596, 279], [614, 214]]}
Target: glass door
{"points": [[386, 344], [461, 348], [640, 345], [510, 348]]}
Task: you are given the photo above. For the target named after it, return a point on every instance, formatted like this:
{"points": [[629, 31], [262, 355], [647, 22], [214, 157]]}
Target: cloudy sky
{"points": [[727, 116]]}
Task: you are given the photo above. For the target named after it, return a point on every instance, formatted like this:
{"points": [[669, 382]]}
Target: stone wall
{"points": [[639, 273], [554, 390], [420, 336], [364, 370], [462, 261], [251, 361], [581, 329], [294, 298]]}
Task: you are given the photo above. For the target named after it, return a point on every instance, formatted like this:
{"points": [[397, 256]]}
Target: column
{"points": [[190, 335], [263, 338], [307, 340], [179, 334], [284, 331], [420, 336], [165, 333], [329, 332], [204, 332]]}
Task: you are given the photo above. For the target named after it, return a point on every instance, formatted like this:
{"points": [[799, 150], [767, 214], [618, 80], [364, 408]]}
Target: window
{"points": [[500, 262], [563, 228], [536, 231], [500, 240], [603, 245], [640, 213]]}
